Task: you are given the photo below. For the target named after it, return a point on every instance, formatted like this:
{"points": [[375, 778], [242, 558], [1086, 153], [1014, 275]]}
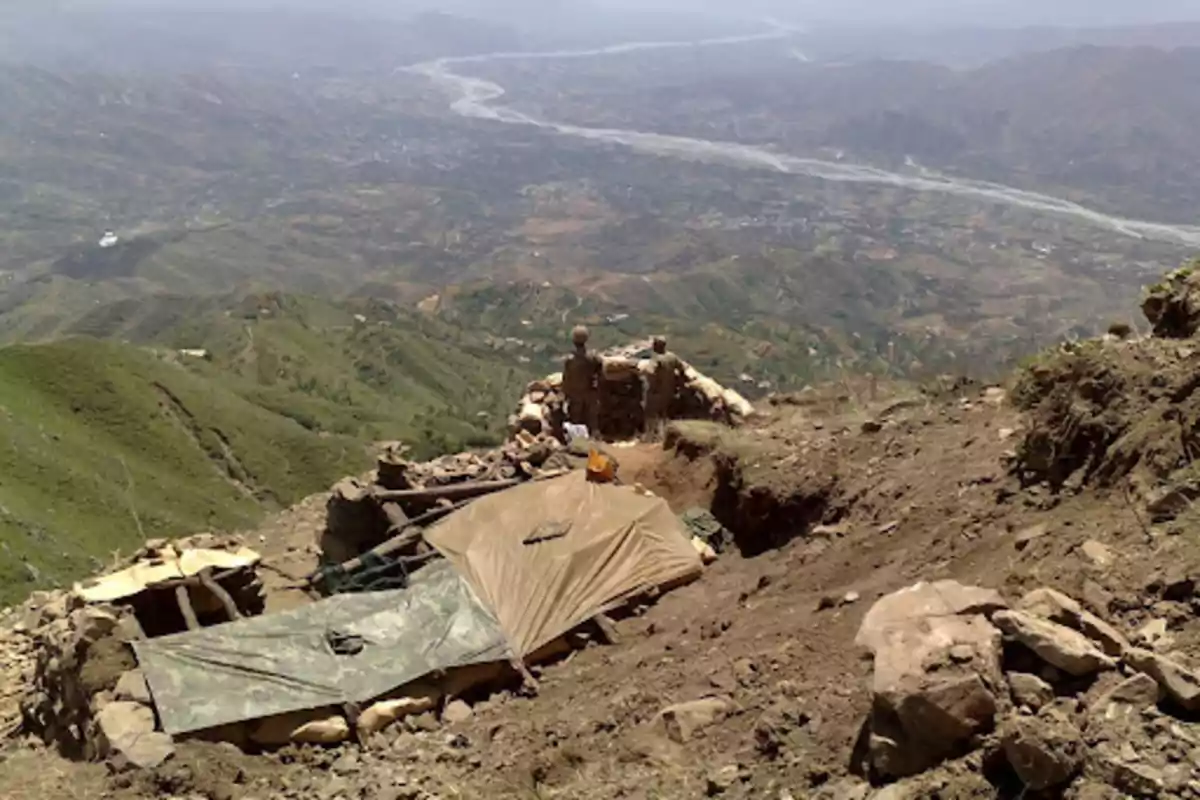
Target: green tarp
{"points": [[348, 648]]}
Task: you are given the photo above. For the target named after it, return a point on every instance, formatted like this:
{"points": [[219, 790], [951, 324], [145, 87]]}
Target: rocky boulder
{"points": [[923, 601], [936, 674]]}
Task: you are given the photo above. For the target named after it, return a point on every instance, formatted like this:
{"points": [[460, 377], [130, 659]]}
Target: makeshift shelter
{"points": [[346, 649], [523, 567], [546, 557]]}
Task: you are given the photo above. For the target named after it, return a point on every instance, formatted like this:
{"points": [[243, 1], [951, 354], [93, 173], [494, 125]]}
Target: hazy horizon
{"points": [[989, 13]]}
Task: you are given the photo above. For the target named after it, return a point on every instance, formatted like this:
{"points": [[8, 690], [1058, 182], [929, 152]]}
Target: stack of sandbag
{"points": [[626, 371]]}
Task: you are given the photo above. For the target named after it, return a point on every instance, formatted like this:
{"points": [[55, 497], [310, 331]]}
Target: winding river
{"points": [[476, 98]]}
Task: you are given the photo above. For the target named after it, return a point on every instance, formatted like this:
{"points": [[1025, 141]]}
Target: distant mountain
{"points": [[1111, 126], [967, 46]]}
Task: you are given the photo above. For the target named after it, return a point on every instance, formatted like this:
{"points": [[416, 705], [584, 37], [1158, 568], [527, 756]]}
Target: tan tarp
{"points": [[549, 555], [134, 580]]}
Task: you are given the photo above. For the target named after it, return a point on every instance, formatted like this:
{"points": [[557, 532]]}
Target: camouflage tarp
{"points": [[264, 666]]}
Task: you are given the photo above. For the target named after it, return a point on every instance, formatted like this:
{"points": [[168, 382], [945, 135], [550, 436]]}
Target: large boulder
{"points": [[1057, 645], [936, 675]]}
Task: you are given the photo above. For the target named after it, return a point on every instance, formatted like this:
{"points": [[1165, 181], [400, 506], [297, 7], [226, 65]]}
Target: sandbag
{"points": [[386, 712]]}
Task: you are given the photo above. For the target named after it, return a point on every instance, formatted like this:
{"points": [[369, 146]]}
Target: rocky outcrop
{"points": [[1173, 306], [1075, 729]]}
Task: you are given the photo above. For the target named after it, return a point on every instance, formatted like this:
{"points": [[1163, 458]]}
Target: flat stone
{"points": [[1030, 690], [1138, 780], [939, 599], [1180, 682], [682, 721], [128, 736], [132, 687], [1140, 691], [1099, 555], [1029, 535], [1057, 645], [456, 711], [384, 713], [1058, 607], [1154, 635]]}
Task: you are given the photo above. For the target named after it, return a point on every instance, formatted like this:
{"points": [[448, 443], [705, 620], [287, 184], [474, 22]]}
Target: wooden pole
{"points": [[458, 491], [231, 609], [185, 607]]}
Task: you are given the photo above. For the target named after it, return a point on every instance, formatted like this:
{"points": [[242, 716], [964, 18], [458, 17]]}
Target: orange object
{"points": [[600, 468]]}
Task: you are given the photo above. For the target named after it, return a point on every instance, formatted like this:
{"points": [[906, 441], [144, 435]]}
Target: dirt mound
{"points": [[1113, 412], [763, 492], [1102, 410]]}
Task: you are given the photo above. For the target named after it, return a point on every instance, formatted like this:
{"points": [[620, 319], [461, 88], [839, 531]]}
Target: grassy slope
{"points": [[92, 437], [99, 437]]}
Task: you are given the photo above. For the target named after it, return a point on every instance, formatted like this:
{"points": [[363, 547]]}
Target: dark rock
{"points": [[1045, 751]]}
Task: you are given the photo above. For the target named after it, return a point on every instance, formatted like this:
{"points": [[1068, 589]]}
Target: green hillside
{"points": [[104, 442]]}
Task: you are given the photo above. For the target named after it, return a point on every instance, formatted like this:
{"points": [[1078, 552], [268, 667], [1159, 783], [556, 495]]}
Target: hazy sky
{"points": [[1007, 13]]}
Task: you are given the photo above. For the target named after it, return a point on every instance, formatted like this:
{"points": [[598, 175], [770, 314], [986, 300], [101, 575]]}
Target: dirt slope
{"points": [[844, 499]]}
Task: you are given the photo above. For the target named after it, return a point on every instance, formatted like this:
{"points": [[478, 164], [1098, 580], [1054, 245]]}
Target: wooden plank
{"points": [[185, 607], [231, 609]]}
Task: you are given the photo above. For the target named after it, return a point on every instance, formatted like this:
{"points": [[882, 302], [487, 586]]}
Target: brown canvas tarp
{"points": [[547, 556]]}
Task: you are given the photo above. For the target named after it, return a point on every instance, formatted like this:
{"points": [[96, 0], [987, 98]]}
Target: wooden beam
{"points": [[395, 515], [456, 491], [410, 533], [231, 609], [185, 607]]}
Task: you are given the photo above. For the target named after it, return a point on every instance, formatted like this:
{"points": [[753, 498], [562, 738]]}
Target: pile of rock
{"points": [[403, 495], [1045, 688], [77, 682], [542, 409]]}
